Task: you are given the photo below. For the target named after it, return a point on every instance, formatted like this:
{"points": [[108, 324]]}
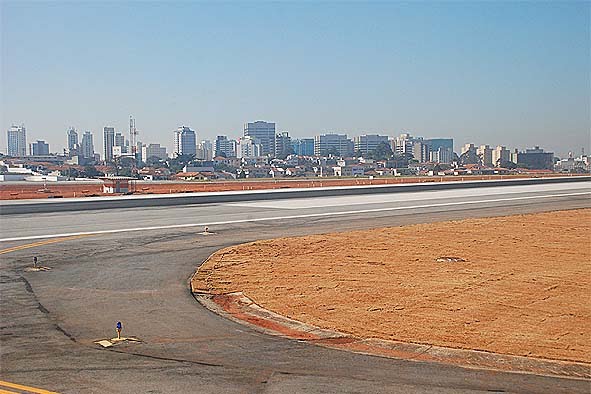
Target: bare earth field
{"points": [[524, 287]]}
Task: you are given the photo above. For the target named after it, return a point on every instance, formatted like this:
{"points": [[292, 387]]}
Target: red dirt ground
{"points": [[524, 287]]}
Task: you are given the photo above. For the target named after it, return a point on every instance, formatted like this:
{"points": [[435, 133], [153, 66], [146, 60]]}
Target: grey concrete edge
{"points": [[82, 204]]}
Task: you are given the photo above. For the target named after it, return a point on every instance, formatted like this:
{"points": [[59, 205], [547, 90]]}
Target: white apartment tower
{"points": [[500, 155], [248, 148], [17, 141], [485, 154]]}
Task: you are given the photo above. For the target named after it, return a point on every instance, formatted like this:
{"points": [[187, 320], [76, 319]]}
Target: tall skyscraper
{"points": [[87, 146], [406, 144], [441, 149], [420, 151], [485, 154], [441, 155], [72, 140], [17, 141], [153, 150], [536, 159], [468, 148], [120, 141], [248, 148], [39, 148], [436, 143], [185, 141], [262, 133], [500, 155], [108, 143], [303, 146], [333, 144], [224, 146], [283, 144], [205, 150], [369, 143]]}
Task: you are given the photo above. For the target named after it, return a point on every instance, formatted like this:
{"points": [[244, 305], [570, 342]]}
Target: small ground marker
{"points": [[206, 232], [36, 268]]}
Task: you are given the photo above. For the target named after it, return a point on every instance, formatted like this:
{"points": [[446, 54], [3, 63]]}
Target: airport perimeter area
{"points": [[133, 265], [511, 285]]}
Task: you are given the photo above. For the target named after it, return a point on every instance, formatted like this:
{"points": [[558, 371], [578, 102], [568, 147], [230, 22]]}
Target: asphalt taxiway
{"points": [[133, 265]]}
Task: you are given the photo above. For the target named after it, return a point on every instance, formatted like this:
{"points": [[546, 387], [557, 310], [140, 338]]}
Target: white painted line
{"points": [[380, 198], [310, 215]]}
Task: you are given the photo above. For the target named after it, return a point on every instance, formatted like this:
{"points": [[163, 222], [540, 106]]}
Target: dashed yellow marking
{"points": [[41, 243], [23, 388]]}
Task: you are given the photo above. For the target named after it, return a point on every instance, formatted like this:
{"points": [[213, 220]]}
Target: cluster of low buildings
{"points": [[263, 152]]}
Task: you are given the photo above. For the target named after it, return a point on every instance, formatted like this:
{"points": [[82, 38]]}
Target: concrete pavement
{"points": [[50, 320]]}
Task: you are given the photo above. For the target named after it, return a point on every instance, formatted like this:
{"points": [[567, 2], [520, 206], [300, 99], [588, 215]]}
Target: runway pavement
{"points": [[138, 272]]}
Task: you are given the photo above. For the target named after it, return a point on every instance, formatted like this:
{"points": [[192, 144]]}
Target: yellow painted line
{"points": [[24, 388], [41, 243], [8, 392]]}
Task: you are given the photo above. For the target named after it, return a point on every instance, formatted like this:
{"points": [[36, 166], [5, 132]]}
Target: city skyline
{"points": [[120, 139], [513, 74]]}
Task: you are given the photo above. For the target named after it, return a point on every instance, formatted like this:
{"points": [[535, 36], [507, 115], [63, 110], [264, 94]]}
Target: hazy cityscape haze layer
{"points": [[514, 74]]}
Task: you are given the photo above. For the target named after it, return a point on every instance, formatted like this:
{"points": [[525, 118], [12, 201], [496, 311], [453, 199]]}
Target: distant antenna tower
{"points": [[133, 136]]}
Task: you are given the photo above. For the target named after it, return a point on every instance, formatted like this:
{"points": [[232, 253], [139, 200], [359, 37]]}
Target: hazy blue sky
{"points": [[508, 73]]}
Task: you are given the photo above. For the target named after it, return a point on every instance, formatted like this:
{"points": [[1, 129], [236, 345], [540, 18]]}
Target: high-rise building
{"points": [[224, 146], [120, 141], [536, 159], [441, 149], [17, 141], [185, 141], [333, 144], [263, 133], [303, 146], [500, 155], [468, 148], [514, 156], [72, 141], [441, 155], [404, 144], [369, 142], [420, 151], [248, 148], [205, 150], [138, 150], [39, 148], [153, 150], [485, 154], [283, 144], [87, 146], [436, 143], [108, 143]]}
